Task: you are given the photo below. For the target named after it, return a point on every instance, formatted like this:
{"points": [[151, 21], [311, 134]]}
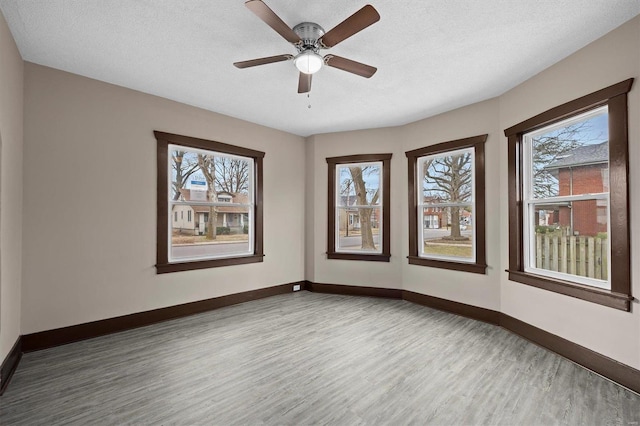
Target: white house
{"points": [[193, 219]]}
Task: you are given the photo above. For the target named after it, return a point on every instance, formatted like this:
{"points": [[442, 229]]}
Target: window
{"points": [[211, 181], [568, 229], [566, 200], [446, 205], [359, 207]]}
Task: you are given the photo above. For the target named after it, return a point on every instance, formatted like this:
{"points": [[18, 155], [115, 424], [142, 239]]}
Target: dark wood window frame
{"points": [[615, 97], [385, 255], [477, 143], [162, 249]]}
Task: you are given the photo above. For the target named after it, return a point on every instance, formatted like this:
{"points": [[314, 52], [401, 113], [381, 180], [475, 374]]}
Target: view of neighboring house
{"points": [[193, 219], [433, 216], [584, 170], [349, 217], [439, 217]]}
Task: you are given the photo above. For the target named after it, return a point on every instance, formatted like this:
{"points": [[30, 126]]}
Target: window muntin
{"points": [[358, 215], [566, 199], [218, 230], [446, 212]]}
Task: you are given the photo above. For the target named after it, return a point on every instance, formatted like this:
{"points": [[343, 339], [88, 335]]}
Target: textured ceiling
{"points": [[432, 55]]}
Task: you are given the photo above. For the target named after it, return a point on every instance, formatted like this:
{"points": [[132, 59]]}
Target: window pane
{"points": [[359, 229], [447, 178], [207, 176], [214, 231], [359, 184], [570, 238], [200, 231], [571, 158], [448, 232]]}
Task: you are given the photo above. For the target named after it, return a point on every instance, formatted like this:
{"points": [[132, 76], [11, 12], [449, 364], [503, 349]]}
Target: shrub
{"points": [[542, 229], [223, 230], [245, 229]]}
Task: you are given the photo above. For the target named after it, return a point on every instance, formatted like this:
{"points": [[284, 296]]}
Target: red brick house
{"points": [[433, 216], [585, 170], [440, 217]]}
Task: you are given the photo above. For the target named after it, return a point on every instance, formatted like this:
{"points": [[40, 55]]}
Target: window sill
{"points": [[590, 294], [357, 256], [475, 268], [204, 264]]}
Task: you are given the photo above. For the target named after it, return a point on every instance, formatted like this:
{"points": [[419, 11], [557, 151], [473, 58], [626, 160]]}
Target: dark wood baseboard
{"points": [[620, 373], [74, 333], [353, 290], [469, 311], [482, 314], [10, 364]]}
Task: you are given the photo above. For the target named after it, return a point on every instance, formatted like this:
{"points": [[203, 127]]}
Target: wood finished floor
{"points": [[307, 358]]}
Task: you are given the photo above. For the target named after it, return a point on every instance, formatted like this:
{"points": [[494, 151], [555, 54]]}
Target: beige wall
{"points": [[607, 61], [611, 332], [473, 289], [479, 290], [11, 128], [323, 270], [89, 150], [89, 159]]}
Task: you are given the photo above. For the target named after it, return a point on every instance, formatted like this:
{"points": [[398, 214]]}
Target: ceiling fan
{"points": [[309, 38]]}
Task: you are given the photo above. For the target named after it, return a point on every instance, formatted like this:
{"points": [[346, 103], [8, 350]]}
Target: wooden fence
{"points": [[583, 256]]}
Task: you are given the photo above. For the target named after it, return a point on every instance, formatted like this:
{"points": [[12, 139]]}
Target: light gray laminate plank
{"points": [[308, 358]]}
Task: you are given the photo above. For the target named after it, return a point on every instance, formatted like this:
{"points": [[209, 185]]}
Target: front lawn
{"points": [[450, 250]]}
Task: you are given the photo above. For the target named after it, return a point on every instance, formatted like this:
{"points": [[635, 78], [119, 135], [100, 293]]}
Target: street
{"points": [[215, 249], [356, 242]]}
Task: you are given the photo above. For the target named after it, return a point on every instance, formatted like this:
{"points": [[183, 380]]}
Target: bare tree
{"points": [[361, 197], [551, 147], [232, 175], [208, 168], [346, 193], [183, 168], [449, 178]]}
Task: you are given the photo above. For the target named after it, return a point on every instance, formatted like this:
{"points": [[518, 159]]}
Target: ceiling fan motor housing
{"points": [[309, 33]]}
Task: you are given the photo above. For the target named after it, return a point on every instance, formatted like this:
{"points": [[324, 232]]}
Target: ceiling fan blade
{"points": [[263, 12], [262, 61], [304, 83], [350, 66], [353, 24]]}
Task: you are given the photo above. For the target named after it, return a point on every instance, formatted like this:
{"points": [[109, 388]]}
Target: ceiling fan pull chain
{"points": [[309, 98]]}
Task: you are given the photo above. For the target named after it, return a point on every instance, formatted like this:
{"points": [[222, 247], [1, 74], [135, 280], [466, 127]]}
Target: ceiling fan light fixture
{"points": [[308, 62]]}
